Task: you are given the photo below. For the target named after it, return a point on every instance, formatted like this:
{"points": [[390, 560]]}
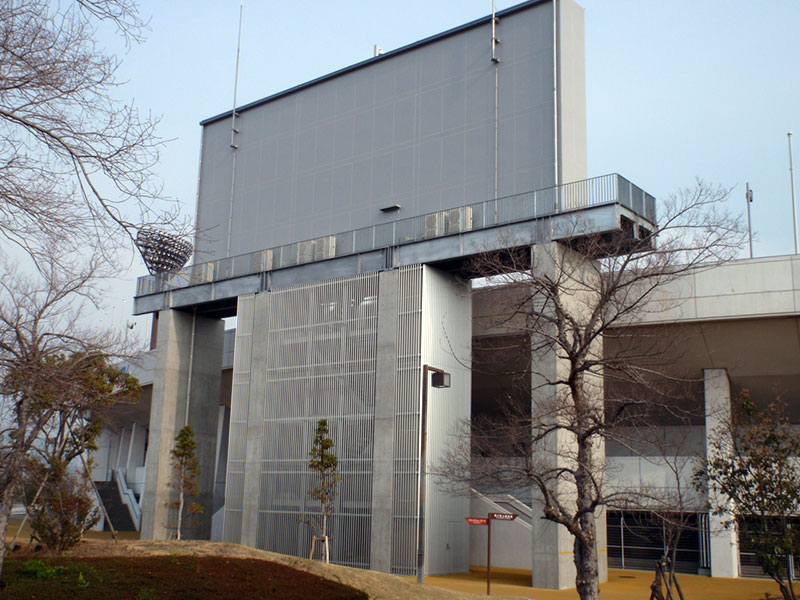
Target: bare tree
{"points": [[665, 495], [568, 297], [75, 164], [48, 366]]}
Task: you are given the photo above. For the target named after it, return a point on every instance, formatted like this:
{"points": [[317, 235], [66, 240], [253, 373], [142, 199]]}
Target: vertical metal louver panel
{"points": [[237, 438], [320, 364], [407, 403], [446, 344]]}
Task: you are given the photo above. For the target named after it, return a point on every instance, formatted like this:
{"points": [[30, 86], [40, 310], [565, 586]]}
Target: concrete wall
{"points": [[571, 77], [553, 563], [385, 429], [414, 127], [183, 341], [740, 289], [724, 541], [511, 540], [105, 456], [136, 455]]}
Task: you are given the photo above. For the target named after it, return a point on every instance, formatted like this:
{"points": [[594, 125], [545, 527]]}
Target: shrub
{"points": [[63, 510]]}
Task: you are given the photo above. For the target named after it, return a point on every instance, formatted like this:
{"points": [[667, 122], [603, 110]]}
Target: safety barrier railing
{"points": [[128, 498], [606, 189]]}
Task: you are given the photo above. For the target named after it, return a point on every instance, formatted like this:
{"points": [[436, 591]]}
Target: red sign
{"points": [[502, 516], [477, 521]]}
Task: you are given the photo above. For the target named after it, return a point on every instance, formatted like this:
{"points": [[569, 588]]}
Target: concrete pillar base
{"points": [[186, 343]]}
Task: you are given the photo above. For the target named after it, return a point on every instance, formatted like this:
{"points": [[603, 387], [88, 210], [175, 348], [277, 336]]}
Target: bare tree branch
{"points": [[566, 300]]}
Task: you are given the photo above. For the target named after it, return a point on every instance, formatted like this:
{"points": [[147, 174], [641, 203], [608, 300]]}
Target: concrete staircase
{"points": [[117, 511]]}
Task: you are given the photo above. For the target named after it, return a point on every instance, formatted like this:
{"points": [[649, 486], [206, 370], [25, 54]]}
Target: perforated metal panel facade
{"points": [[237, 433], [321, 344], [320, 364]]}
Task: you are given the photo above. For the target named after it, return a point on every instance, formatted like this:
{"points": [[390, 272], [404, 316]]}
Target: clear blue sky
{"points": [[675, 90]]}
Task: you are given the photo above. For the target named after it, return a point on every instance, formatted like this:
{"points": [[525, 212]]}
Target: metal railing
{"points": [[128, 498], [606, 189]]}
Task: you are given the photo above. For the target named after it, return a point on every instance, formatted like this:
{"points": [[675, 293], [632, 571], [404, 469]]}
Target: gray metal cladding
{"points": [[407, 403], [320, 362], [415, 129], [321, 345], [446, 344], [237, 437]]}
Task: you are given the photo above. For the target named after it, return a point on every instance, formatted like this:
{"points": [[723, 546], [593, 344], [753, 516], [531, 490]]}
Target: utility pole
{"points": [[748, 196], [791, 185]]}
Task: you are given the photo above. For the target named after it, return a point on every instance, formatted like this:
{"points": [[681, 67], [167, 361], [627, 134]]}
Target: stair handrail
{"points": [[518, 505], [495, 505], [128, 498]]}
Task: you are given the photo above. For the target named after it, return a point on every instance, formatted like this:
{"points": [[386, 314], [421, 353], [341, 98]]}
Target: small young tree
{"points": [[325, 464], [185, 471], [671, 503], [753, 470], [60, 500]]}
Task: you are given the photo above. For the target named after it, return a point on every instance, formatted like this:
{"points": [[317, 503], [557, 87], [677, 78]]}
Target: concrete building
{"points": [[332, 221]]}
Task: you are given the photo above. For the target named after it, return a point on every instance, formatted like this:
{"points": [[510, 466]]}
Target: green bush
{"points": [[40, 570], [63, 510]]}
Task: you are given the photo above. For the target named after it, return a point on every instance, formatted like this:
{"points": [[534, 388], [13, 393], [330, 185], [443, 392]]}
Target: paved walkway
{"points": [[622, 585]]}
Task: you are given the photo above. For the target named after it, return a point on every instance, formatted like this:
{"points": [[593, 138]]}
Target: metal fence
{"points": [[606, 189], [637, 539]]}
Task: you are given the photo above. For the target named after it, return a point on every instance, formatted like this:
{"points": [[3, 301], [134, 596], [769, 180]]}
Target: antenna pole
{"points": [[234, 131], [748, 197], [791, 184], [496, 62]]}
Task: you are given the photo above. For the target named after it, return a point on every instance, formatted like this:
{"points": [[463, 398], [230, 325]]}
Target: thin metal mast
{"points": [[234, 131], [496, 62], [556, 97], [748, 197], [791, 184]]}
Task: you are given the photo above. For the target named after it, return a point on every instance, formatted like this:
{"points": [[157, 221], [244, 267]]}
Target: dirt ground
{"points": [[378, 586], [165, 577], [622, 585]]}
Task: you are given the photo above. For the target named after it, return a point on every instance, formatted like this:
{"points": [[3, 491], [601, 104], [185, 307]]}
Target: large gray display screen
{"points": [[414, 129]]}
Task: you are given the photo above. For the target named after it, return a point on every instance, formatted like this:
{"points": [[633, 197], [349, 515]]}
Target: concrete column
{"points": [[553, 565], [255, 421], [602, 541], [183, 339], [384, 431], [130, 448], [724, 541]]}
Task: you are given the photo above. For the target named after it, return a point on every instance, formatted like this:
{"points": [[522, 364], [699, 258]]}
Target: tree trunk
{"points": [[180, 514], [325, 536], [789, 579], [6, 502], [587, 577], [785, 591]]}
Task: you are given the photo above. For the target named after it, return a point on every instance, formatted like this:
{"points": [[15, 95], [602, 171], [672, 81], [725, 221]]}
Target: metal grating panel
{"points": [[321, 347], [237, 437], [636, 540], [406, 450]]}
